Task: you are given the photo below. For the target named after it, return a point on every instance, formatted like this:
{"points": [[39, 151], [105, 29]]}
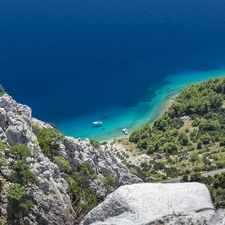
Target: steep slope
{"points": [[48, 197]]}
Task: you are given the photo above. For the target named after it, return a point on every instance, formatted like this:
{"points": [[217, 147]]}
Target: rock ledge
{"points": [[146, 203]]}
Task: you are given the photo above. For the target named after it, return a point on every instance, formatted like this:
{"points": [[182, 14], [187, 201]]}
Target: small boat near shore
{"points": [[125, 131], [97, 123]]}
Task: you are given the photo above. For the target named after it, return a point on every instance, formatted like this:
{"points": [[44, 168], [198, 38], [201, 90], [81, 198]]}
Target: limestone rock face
{"points": [[7, 103], [102, 161], [15, 122], [50, 191], [144, 204], [52, 204], [2, 117], [37, 125], [111, 165]]}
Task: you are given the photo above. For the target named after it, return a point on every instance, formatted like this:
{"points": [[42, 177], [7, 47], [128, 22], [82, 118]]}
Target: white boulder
{"points": [[146, 203]]}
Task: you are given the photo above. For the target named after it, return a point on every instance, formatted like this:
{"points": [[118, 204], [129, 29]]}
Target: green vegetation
{"points": [[143, 171], [21, 173], [188, 139], [49, 140], [202, 102], [63, 164], [109, 180], [3, 146], [17, 198], [25, 207], [95, 144], [20, 151], [16, 193], [83, 198], [87, 170], [2, 90]]}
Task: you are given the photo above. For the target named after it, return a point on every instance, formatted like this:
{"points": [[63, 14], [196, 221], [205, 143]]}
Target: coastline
{"points": [[162, 107], [115, 118], [169, 93]]}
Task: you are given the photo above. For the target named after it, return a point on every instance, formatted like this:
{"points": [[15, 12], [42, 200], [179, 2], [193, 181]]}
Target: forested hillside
{"points": [[188, 138]]}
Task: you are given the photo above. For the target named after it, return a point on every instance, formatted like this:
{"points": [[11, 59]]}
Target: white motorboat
{"points": [[125, 131], [97, 123]]}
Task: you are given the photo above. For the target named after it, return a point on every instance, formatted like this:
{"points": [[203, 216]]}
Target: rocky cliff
{"points": [[52, 201]]}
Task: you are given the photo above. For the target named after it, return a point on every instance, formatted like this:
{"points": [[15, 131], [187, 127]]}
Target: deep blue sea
{"points": [[77, 61]]}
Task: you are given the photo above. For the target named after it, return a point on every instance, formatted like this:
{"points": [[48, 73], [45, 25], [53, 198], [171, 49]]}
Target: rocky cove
{"points": [[125, 198]]}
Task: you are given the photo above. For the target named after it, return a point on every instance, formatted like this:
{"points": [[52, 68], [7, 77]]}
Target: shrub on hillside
{"points": [[16, 196], [21, 173], [49, 140], [183, 138], [87, 169], [109, 180], [3, 146], [20, 151], [205, 138], [196, 177], [2, 157], [222, 141], [2, 90], [63, 164], [95, 144], [143, 131], [83, 199]]}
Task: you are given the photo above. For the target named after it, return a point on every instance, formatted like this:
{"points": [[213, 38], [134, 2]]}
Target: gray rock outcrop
{"points": [[154, 204], [49, 193]]}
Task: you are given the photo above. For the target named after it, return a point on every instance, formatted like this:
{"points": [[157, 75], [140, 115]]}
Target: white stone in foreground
{"points": [[146, 203]]}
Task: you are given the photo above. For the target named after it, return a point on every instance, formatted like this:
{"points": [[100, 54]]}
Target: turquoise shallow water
{"points": [[116, 118]]}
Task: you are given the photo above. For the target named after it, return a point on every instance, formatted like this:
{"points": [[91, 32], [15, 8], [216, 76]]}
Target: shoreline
{"points": [[142, 113], [162, 107]]}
